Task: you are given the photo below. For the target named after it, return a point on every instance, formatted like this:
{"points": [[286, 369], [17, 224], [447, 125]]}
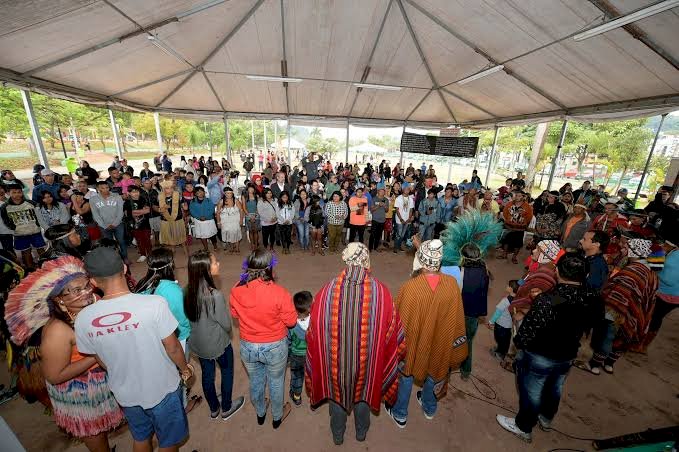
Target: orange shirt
{"points": [[357, 210], [264, 309]]}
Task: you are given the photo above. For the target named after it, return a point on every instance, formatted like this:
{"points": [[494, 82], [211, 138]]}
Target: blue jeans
{"points": [[167, 419], [119, 234], [303, 234], [207, 367], [297, 363], [266, 362], [603, 334], [401, 232], [540, 382], [427, 231], [405, 387]]}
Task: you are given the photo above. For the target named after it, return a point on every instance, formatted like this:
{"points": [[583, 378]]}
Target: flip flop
{"points": [[587, 368], [192, 403]]}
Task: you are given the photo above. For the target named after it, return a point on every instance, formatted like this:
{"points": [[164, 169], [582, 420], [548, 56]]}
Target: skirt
{"points": [[85, 406], [388, 225], [172, 233], [204, 229], [230, 219], [513, 239], [252, 223]]}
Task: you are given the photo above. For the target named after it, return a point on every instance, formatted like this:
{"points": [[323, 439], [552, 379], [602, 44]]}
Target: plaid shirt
{"points": [[336, 213]]}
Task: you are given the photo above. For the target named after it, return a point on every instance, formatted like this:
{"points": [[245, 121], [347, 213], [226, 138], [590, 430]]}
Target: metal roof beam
{"points": [[418, 104], [469, 102], [366, 71], [481, 52], [214, 51], [611, 12], [424, 58], [212, 88]]}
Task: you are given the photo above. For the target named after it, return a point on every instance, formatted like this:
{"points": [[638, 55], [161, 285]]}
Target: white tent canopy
{"points": [[367, 148], [192, 57]]}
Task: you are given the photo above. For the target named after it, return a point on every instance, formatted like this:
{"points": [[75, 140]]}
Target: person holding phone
{"points": [[379, 210], [358, 209]]}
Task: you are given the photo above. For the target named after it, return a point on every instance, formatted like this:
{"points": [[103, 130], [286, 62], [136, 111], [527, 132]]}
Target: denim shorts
{"points": [[26, 242], [167, 420]]}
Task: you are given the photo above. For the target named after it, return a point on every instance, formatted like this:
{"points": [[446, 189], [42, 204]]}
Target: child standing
{"points": [[297, 336], [501, 322]]}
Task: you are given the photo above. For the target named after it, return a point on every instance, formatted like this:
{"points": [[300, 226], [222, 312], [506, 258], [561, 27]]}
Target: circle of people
{"points": [[596, 264]]}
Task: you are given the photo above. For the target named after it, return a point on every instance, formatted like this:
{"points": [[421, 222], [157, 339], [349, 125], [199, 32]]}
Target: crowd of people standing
{"points": [[590, 268]]}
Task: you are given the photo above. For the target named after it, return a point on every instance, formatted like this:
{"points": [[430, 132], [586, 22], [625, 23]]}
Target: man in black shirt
{"points": [[137, 211], [548, 342], [150, 194]]}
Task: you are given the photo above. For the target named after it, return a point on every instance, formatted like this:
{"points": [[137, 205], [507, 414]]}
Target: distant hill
{"points": [[670, 126]]}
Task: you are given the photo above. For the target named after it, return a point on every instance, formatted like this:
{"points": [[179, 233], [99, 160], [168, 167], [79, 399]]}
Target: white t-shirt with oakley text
{"points": [[126, 334]]}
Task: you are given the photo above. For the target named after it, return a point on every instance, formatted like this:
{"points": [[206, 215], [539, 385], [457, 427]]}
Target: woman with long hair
{"points": [[229, 219], [64, 240], [285, 214], [252, 221], [160, 280], [50, 212], [51, 298], [316, 221], [81, 215], [302, 207], [268, 216], [265, 311], [211, 328]]}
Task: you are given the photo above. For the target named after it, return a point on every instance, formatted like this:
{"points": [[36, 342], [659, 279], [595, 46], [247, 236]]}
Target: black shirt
{"points": [[90, 174], [556, 322], [140, 222], [151, 198]]}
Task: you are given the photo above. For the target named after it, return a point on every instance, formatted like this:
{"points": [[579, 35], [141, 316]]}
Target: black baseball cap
{"points": [[103, 262]]}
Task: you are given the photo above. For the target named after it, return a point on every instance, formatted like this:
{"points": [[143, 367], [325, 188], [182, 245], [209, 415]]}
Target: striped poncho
{"points": [[630, 294], [355, 342]]}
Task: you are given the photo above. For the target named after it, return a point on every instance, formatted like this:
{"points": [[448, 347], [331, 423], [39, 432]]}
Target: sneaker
{"points": [[141, 259], [399, 424], [296, 398], [214, 414], [419, 400], [545, 424], [509, 424], [236, 405]]}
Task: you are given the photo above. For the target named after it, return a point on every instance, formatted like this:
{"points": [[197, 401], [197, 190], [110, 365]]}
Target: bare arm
{"points": [[174, 350], [55, 350]]}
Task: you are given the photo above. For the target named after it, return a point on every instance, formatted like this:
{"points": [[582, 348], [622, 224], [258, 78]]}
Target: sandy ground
{"points": [[642, 394]]}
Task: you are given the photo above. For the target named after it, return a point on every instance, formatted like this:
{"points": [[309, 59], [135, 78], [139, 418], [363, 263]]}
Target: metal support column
{"points": [[557, 154], [400, 161], [210, 139], [227, 140], [35, 129], [159, 136], [346, 146], [116, 138], [492, 156], [252, 130], [265, 148], [289, 156], [648, 160]]}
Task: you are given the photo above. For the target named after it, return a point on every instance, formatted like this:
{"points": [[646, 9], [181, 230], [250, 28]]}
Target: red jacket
{"points": [[265, 311]]}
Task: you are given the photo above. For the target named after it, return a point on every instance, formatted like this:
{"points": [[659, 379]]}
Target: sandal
{"points": [[192, 403], [587, 368]]}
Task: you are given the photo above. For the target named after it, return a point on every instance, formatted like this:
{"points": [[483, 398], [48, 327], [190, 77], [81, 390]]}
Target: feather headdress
{"points": [[479, 228], [28, 305]]}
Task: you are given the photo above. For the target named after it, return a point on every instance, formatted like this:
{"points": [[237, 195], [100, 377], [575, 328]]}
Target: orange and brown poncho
{"points": [[434, 327]]}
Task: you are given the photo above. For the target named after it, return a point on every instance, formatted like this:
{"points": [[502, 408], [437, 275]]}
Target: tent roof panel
{"points": [[194, 94], [240, 94], [85, 52], [320, 98], [111, 70]]}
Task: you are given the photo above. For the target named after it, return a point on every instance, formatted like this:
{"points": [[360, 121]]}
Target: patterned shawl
{"points": [[630, 293], [541, 280], [355, 342]]}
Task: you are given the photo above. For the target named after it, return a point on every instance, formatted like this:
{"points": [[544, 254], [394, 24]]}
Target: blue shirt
{"points": [[204, 209], [174, 295], [669, 276], [598, 272]]}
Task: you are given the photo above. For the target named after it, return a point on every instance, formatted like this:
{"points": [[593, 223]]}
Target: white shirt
{"points": [[126, 334], [404, 205]]}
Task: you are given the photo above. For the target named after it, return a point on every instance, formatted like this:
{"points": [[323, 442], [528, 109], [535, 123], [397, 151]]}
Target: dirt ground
{"points": [[642, 394]]}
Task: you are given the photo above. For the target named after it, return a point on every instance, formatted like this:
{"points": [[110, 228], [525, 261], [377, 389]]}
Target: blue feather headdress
{"points": [[480, 228]]}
